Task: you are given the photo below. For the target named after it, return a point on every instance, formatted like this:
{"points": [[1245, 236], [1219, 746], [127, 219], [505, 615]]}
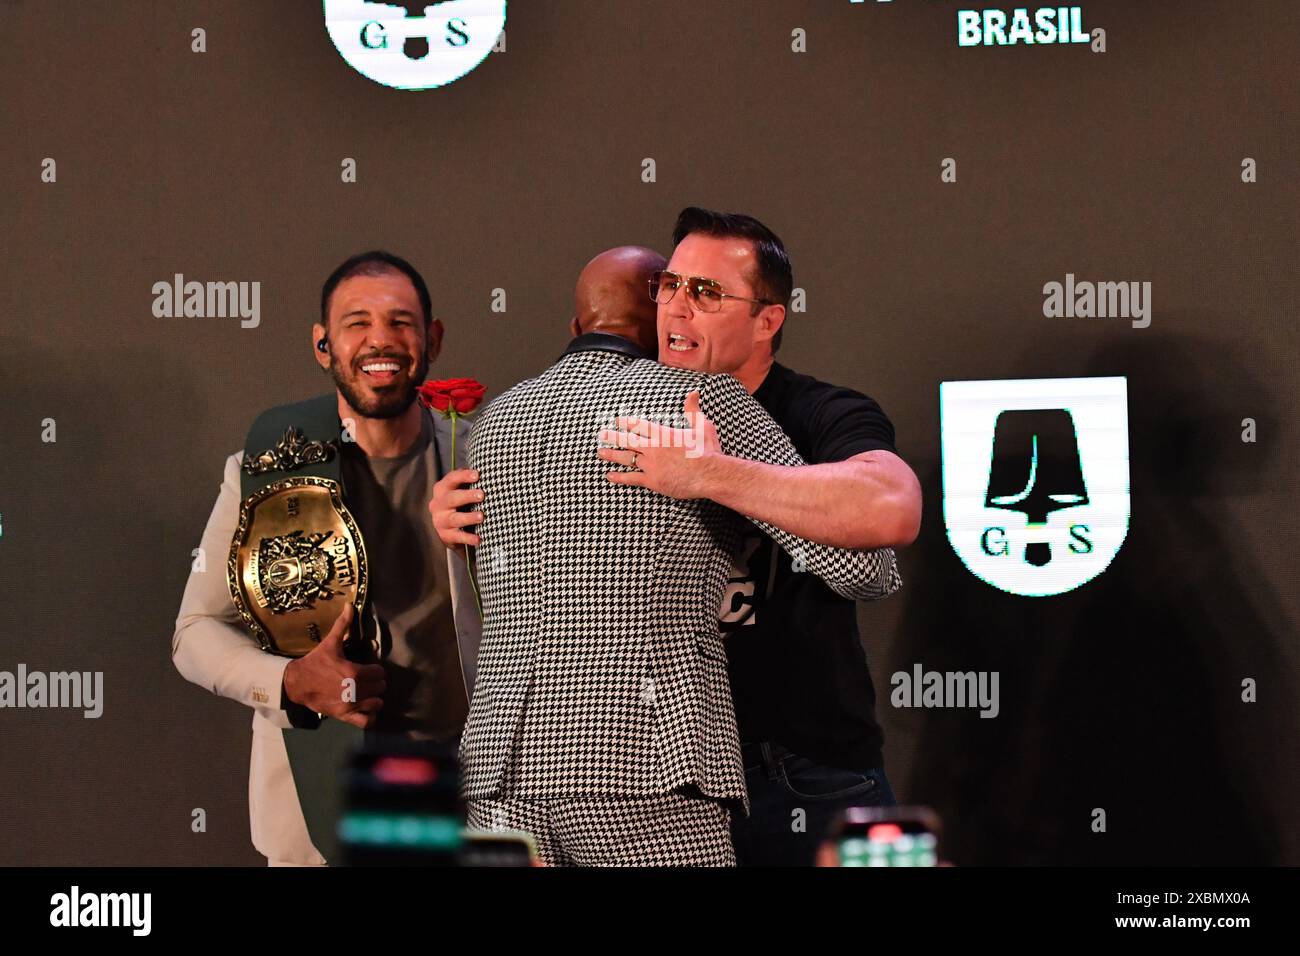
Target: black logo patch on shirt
{"points": [[753, 573]]}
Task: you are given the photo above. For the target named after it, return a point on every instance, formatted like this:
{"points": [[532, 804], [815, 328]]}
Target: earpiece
{"points": [[323, 345]]}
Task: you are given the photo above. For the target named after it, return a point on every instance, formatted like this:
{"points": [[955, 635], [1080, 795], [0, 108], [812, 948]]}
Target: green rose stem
{"points": [[469, 563]]}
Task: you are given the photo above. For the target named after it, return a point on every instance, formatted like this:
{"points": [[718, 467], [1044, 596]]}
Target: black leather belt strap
{"points": [[766, 756], [317, 758], [317, 419]]}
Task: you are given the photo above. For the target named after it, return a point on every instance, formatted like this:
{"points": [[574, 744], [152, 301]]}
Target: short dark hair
{"points": [[373, 263], [774, 277]]}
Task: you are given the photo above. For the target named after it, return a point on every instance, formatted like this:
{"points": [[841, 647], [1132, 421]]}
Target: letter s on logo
{"points": [[1077, 535], [456, 27]]}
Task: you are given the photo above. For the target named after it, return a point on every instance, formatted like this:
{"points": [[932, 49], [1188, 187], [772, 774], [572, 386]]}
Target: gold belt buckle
{"points": [[296, 558]]}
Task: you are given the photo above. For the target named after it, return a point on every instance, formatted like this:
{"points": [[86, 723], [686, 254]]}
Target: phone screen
{"points": [[497, 848], [402, 805], [892, 836]]}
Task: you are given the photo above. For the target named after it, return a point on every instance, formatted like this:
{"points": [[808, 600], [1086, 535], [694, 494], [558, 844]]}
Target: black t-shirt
{"points": [[799, 676]]}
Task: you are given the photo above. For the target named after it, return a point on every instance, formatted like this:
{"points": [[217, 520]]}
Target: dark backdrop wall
{"points": [[225, 165]]}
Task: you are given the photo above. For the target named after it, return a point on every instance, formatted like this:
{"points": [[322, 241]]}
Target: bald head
{"points": [[613, 296]]}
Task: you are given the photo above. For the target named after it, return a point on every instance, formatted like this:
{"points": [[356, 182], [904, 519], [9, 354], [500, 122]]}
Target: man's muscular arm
{"points": [[871, 500], [675, 462]]}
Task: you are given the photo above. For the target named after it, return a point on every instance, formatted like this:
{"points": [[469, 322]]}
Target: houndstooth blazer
{"points": [[601, 669]]}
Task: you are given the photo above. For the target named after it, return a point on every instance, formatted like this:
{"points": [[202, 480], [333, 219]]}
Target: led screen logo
{"points": [[1035, 479], [415, 46]]}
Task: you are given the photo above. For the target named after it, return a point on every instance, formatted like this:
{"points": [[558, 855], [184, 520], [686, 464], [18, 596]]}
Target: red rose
{"points": [[459, 395]]}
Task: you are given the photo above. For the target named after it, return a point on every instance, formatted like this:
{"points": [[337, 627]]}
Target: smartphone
{"points": [[886, 836], [498, 848]]}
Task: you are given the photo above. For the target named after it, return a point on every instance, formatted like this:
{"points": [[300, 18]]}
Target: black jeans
{"points": [[793, 802]]}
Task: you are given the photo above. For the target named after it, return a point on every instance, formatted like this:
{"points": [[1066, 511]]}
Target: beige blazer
{"points": [[211, 648]]}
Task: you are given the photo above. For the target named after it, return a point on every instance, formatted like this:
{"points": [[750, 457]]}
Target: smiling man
{"points": [[411, 660]]}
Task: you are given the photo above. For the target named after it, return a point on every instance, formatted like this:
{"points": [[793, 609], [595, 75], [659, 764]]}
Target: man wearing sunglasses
{"points": [[601, 719], [802, 690]]}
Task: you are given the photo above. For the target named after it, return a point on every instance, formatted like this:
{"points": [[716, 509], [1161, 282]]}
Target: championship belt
{"points": [[297, 555]]}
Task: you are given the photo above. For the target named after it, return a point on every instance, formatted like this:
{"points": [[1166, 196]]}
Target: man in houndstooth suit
{"points": [[601, 721]]}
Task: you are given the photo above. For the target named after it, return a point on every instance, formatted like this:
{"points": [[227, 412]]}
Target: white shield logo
{"points": [[415, 46], [1035, 479]]}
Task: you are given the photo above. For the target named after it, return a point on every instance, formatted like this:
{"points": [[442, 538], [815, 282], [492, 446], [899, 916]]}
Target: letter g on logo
{"points": [[414, 46], [373, 36]]}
